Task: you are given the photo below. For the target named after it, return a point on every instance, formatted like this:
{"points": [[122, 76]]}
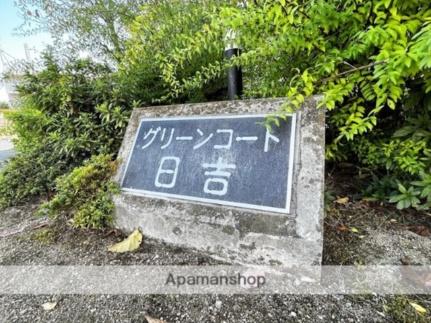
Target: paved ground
{"points": [[6, 149], [6, 143], [6, 154]]}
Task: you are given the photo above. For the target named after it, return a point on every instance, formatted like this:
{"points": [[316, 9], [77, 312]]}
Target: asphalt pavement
{"points": [[6, 149], [6, 154]]}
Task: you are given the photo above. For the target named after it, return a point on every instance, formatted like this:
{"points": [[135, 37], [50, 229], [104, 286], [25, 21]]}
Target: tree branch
{"points": [[354, 69]]}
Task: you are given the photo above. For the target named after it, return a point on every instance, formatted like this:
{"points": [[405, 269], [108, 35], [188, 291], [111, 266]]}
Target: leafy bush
{"points": [[370, 60], [69, 114], [165, 27], [85, 194], [30, 174], [4, 105], [6, 131]]}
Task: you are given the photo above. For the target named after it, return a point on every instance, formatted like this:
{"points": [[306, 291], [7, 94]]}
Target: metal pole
{"points": [[234, 75]]}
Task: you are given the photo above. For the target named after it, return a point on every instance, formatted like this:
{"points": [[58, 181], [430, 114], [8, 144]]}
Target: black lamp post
{"points": [[234, 73]]}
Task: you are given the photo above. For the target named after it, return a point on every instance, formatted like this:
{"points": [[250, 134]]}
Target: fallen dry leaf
{"points": [[153, 320], [342, 200], [418, 308], [49, 306], [354, 230], [131, 243]]}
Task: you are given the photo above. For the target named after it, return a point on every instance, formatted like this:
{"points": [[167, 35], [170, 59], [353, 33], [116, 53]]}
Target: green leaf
{"points": [[401, 188]]}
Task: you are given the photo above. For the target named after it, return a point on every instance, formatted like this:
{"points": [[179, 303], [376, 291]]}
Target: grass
{"points": [[45, 235], [401, 310]]}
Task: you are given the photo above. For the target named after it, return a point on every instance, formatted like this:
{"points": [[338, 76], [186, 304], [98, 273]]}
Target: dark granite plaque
{"points": [[229, 160]]}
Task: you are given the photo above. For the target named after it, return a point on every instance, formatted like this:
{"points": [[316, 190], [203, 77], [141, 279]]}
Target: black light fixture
{"points": [[234, 73]]}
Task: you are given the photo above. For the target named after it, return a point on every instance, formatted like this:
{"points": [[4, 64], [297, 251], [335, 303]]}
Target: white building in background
{"points": [[14, 68], [7, 86], [8, 91], [4, 96]]}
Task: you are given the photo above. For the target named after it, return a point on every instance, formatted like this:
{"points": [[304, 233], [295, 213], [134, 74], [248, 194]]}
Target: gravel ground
{"points": [[25, 240], [194, 309]]}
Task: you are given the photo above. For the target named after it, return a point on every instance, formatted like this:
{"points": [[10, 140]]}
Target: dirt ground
{"points": [[356, 232]]}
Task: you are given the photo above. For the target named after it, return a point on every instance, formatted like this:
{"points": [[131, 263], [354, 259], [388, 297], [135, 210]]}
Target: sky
{"points": [[14, 44], [10, 42]]}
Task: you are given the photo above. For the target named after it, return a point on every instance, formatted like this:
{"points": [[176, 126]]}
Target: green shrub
{"points": [[4, 105], [6, 131], [30, 174], [165, 27], [69, 113], [370, 60], [85, 194]]}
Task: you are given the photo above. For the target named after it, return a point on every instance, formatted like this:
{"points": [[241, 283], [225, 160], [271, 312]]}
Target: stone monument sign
{"points": [[213, 177]]}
